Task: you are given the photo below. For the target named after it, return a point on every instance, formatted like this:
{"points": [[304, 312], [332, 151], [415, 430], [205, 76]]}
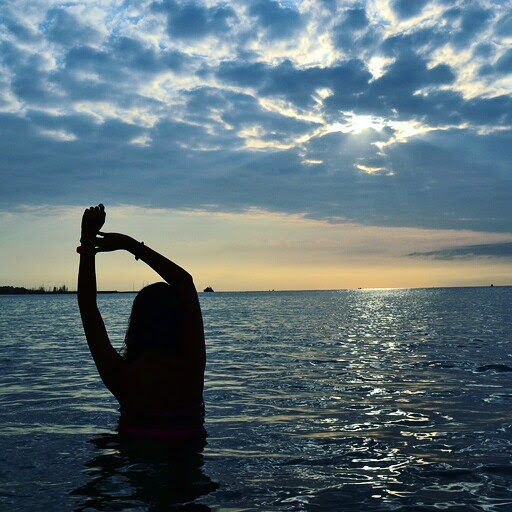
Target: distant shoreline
{"points": [[20, 290]]}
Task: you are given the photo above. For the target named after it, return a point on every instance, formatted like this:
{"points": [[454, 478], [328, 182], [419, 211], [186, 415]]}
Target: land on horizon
{"points": [[21, 290], [62, 290]]}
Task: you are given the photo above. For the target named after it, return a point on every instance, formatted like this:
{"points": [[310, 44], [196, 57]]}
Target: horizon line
{"points": [[35, 291]]}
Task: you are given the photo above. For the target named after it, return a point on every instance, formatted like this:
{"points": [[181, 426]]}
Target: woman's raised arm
{"points": [[168, 270], [111, 366], [194, 345]]}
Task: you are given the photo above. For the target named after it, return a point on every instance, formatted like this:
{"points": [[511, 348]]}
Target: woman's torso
{"points": [[165, 396]]}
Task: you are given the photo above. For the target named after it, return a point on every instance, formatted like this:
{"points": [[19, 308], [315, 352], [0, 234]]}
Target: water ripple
{"points": [[381, 400]]}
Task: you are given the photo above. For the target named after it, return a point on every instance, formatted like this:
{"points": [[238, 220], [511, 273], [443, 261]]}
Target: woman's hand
{"points": [[107, 242], [92, 221]]}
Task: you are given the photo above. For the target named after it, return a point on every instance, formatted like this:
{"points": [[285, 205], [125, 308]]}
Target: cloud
{"points": [[18, 28], [329, 110], [483, 50], [191, 166], [502, 66], [471, 22], [395, 92], [408, 8], [499, 250], [121, 56], [237, 111], [504, 63], [295, 84], [504, 25], [64, 28], [414, 40], [192, 20], [278, 20], [353, 32], [410, 73], [354, 19]]}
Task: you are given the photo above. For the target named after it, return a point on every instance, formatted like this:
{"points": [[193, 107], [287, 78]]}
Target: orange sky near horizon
{"points": [[253, 250]]}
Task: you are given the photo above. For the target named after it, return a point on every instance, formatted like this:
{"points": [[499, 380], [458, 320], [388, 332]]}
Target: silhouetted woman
{"points": [[158, 381]]}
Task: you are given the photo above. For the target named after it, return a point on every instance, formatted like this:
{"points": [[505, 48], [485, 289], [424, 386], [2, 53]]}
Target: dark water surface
{"points": [[344, 400]]}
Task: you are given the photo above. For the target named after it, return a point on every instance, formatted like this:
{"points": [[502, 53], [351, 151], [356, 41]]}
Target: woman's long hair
{"points": [[156, 322]]}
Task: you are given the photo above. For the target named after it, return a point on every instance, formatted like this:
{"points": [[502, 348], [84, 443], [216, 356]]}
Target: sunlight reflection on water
{"points": [[365, 400]]}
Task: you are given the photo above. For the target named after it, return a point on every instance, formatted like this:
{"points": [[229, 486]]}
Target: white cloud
{"points": [[59, 135], [301, 119]]}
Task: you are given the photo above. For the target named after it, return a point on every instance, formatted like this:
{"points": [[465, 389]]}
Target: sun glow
{"points": [[360, 123], [357, 124]]}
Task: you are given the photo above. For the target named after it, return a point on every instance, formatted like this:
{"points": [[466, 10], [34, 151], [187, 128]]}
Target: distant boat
{"points": [[208, 289]]}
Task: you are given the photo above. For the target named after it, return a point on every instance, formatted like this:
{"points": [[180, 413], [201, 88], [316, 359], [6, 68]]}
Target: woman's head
{"points": [[156, 322]]}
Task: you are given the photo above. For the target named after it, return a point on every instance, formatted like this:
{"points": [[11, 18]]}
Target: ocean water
{"points": [[392, 400]]}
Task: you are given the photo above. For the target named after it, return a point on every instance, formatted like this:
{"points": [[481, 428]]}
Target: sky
{"points": [[260, 144]]}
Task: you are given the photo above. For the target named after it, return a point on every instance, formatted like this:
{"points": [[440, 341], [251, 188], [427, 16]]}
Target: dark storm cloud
{"points": [[499, 250]]}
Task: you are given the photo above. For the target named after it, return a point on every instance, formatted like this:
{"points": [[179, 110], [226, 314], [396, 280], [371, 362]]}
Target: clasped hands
{"points": [[93, 240]]}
